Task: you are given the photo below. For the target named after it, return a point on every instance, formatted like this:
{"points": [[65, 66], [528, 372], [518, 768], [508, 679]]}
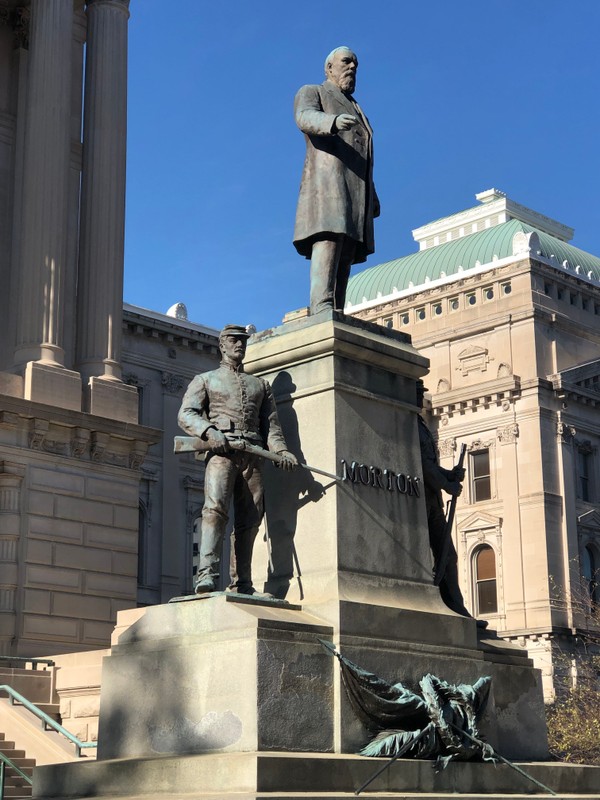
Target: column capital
{"points": [[18, 19], [122, 5]]}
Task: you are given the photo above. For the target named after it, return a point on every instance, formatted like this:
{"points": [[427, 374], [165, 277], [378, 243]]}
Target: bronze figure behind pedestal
{"points": [[337, 203], [436, 479], [228, 408]]}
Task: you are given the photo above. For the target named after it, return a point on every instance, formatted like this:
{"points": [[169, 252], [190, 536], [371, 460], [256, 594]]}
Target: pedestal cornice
{"points": [[327, 334]]}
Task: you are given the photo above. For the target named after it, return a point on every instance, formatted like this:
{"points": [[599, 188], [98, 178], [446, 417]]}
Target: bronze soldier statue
{"points": [[436, 479], [337, 203], [222, 406]]}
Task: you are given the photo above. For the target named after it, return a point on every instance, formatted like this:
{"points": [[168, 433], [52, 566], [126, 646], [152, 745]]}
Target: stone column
{"points": [[102, 240], [45, 186], [100, 302]]}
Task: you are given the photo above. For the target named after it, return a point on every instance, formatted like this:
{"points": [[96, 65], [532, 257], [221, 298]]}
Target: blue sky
{"points": [[463, 95]]}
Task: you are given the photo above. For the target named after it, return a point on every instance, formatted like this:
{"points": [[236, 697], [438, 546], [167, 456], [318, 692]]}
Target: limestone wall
{"points": [[78, 677]]}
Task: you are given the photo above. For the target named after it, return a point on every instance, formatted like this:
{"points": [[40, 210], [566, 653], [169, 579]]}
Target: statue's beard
{"points": [[347, 83]]}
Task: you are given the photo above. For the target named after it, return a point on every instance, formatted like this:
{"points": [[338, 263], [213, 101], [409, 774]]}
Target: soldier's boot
{"points": [[213, 530], [241, 574]]}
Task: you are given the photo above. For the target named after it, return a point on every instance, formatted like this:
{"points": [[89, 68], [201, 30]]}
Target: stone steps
{"points": [[15, 786]]}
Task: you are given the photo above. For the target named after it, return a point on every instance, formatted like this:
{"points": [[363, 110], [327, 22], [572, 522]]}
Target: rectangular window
{"points": [[584, 470], [481, 484], [388, 322]]}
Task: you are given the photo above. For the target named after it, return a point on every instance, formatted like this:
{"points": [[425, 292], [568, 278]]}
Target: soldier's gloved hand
{"points": [[217, 441], [457, 474], [315, 491], [288, 460], [454, 488]]}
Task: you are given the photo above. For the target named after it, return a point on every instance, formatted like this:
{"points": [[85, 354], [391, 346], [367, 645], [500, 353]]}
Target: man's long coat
{"points": [[337, 194]]}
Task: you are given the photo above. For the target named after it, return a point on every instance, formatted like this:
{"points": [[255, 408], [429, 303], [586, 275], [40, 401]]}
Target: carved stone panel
{"points": [[473, 359], [447, 447], [508, 434]]}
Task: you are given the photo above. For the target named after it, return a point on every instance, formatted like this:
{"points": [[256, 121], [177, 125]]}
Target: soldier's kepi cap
{"points": [[235, 330]]}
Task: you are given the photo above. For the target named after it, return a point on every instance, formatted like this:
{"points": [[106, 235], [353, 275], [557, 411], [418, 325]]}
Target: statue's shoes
{"points": [[252, 592], [205, 586]]}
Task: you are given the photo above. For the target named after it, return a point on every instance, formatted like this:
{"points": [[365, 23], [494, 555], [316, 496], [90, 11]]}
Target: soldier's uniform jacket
{"points": [[239, 405]]}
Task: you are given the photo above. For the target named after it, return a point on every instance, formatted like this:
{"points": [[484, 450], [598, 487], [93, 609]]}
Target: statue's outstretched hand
{"points": [[217, 441], [288, 460], [343, 122]]}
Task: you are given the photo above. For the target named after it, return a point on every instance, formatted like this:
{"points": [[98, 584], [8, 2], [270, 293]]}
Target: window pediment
{"points": [[587, 520], [480, 521]]}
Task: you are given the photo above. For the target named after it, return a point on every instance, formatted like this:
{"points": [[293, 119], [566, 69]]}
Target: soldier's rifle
{"points": [[194, 444], [440, 568]]}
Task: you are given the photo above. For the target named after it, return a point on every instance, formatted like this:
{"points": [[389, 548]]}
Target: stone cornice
{"points": [[579, 394], [170, 331], [30, 410], [498, 392], [74, 434]]}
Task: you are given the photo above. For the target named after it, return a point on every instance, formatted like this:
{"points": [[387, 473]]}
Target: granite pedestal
{"points": [[230, 696]]}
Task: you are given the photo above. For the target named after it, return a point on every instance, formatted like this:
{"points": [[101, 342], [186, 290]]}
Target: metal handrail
{"points": [[47, 721], [6, 762], [33, 661]]}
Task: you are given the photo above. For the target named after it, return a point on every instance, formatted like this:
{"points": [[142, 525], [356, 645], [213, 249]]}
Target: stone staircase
{"points": [[16, 786], [22, 737]]}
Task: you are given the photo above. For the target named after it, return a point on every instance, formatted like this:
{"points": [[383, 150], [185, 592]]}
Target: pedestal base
{"points": [[227, 672], [112, 399], [217, 673], [53, 386], [279, 776]]}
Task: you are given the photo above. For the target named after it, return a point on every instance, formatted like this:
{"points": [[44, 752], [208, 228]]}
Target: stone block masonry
{"points": [[69, 487]]}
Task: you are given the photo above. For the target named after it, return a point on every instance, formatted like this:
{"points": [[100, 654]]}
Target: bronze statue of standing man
{"points": [[337, 203]]}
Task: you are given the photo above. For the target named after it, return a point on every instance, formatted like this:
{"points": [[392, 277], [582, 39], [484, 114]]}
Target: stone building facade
{"points": [[508, 312], [161, 354], [71, 447]]}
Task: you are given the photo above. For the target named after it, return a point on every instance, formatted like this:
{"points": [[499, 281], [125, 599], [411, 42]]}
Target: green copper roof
{"points": [[483, 247]]}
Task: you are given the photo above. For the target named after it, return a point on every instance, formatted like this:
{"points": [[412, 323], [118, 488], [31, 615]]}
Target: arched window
{"points": [[486, 595], [589, 571]]}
